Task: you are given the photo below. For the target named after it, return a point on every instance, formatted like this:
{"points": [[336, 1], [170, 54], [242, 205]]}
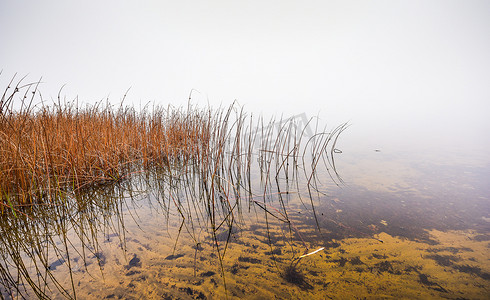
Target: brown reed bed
{"points": [[46, 149]]}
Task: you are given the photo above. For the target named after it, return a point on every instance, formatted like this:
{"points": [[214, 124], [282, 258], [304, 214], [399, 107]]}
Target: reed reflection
{"points": [[71, 177]]}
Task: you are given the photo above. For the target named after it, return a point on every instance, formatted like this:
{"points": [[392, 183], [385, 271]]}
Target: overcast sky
{"points": [[410, 68]]}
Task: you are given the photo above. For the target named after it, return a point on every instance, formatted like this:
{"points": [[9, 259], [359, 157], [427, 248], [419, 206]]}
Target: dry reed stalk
{"points": [[48, 149]]}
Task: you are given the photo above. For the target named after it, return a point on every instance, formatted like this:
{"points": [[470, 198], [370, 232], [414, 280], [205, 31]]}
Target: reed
{"points": [[48, 149], [66, 164]]}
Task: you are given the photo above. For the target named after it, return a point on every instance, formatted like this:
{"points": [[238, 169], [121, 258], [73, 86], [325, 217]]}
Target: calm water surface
{"points": [[401, 225]]}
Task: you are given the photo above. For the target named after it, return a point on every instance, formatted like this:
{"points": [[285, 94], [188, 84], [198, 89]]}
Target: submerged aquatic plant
{"points": [[292, 274]]}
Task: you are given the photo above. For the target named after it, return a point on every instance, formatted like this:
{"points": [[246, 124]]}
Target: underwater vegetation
{"points": [[68, 172]]}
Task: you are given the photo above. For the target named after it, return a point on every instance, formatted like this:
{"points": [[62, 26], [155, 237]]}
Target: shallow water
{"points": [[396, 228]]}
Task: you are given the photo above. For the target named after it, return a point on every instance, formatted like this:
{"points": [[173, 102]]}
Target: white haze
{"points": [[408, 74]]}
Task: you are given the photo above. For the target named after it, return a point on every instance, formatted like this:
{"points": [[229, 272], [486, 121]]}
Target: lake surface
{"points": [[396, 225]]}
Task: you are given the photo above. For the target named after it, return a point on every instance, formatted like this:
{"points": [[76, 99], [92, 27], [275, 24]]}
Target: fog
{"points": [[404, 74]]}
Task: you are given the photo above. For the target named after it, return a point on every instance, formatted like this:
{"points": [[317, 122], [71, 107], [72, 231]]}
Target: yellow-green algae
{"points": [[457, 267]]}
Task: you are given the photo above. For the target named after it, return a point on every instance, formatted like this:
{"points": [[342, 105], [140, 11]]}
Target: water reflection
{"points": [[178, 231], [241, 229], [42, 239]]}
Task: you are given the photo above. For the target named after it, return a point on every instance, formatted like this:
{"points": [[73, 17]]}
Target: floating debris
{"points": [[311, 253]]}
